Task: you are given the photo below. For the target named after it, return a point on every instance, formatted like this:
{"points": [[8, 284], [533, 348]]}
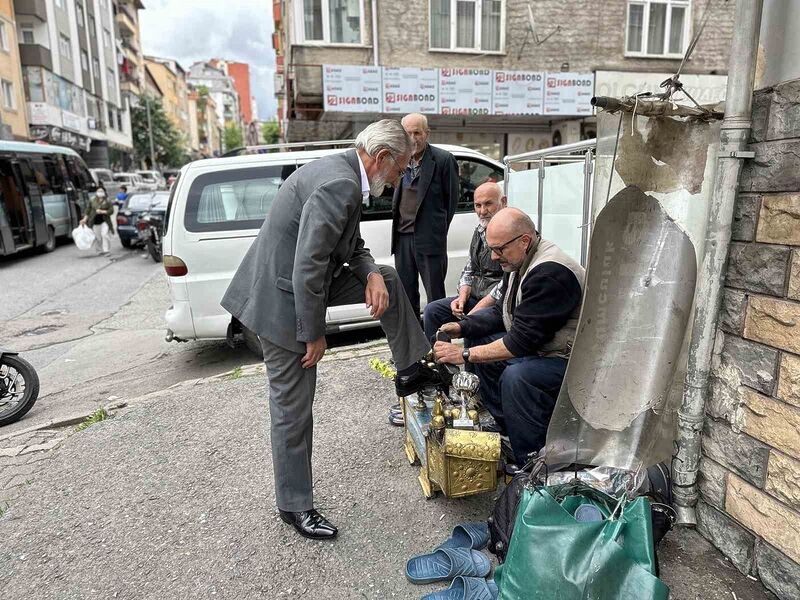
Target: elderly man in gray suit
{"points": [[309, 255]]}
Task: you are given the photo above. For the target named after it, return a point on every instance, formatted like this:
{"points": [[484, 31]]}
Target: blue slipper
{"points": [[474, 536], [445, 564], [467, 588]]}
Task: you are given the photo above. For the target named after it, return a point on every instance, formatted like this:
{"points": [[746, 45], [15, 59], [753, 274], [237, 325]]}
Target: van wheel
{"points": [[252, 343], [50, 244]]}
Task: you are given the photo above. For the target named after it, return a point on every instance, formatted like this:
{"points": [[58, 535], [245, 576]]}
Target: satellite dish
{"points": [[532, 32]]}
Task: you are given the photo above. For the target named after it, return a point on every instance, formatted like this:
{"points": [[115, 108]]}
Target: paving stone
{"points": [[779, 573], [760, 268], [733, 540]]}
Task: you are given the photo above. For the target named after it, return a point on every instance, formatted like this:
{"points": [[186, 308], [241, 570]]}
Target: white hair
{"points": [[386, 134], [422, 118]]}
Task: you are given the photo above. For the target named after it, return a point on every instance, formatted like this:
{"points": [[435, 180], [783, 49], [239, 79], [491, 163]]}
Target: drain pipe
{"points": [[375, 54], [733, 148]]}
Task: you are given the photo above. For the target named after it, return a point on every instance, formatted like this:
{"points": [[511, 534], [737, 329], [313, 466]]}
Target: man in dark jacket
{"points": [[422, 209], [520, 346]]}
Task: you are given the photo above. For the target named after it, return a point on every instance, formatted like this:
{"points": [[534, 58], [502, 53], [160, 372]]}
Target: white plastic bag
{"points": [[83, 237]]}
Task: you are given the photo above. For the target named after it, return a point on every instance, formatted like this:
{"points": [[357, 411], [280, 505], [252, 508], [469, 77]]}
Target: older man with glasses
{"points": [[520, 346]]}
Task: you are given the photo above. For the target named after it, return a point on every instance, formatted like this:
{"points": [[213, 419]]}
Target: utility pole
{"points": [[150, 133]]}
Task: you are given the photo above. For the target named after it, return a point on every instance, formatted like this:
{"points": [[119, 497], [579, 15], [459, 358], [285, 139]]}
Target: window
{"points": [[84, 60], [92, 26], [471, 174], [65, 47], [332, 21], [9, 99], [55, 175], [233, 200], [96, 67], [473, 25], [112, 121], [3, 36], [80, 16], [27, 34], [60, 3], [657, 28], [32, 80], [112, 83], [106, 38]]}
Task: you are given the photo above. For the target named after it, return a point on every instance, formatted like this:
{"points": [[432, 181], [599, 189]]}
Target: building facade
{"points": [[126, 16], [13, 117], [221, 90], [170, 79], [69, 56], [618, 46], [206, 134]]}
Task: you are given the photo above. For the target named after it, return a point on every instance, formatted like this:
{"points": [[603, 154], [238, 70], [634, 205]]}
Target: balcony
{"points": [[127, 26], [31, 8], [35, 55]]}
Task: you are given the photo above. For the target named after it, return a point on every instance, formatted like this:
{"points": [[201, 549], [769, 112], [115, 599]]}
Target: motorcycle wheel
{"points": [[19, 388], [153, 250]]}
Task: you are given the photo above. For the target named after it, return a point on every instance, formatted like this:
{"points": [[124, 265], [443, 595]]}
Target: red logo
{"points": [[333, 100]]}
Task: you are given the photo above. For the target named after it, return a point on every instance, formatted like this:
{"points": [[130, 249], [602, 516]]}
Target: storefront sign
{"points": [[352, 88], [465, 91], [41, 113], [568, 93], [407, 89], [706, 89], [71, 121], [518, 92]]}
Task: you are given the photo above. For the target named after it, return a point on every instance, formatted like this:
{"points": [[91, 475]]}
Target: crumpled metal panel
{"points": [[614, 406]]}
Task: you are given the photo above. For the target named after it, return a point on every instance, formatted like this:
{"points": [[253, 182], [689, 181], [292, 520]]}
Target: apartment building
{"points": [[13, 120], [204, 125], [221, 89], [502, 76], [170, 79], [126, 16], [68, 51]]}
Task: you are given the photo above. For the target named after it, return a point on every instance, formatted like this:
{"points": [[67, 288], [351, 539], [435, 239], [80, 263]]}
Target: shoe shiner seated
{"points": [[519, 347]]}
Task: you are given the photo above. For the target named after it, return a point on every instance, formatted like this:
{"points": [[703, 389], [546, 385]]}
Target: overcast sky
{"points": [[238, 30]]}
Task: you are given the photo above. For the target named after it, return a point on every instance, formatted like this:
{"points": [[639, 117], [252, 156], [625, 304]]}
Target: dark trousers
{"points": [[412, 265], [438, 313], [521, 394]]}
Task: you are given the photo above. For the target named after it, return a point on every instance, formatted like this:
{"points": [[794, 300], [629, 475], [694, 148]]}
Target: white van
{"points": [[217, 207]]}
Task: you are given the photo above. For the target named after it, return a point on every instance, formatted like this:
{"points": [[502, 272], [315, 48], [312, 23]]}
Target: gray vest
{"points": [[486, 272], [561, 344]]}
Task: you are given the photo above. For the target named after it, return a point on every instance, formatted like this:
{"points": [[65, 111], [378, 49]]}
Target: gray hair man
{"points": [[309, 255], [519, 346], [422, 208]]}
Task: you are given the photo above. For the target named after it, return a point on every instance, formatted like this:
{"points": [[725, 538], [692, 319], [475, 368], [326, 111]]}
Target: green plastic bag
{"points": [[552, 556]]}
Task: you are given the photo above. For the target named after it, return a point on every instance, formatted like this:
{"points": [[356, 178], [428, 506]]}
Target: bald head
{"points": [[510, 235], [416, 126], [488, 199]]}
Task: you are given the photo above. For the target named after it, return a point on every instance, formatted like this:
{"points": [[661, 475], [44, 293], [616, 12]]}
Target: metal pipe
{"points": [[733, 142], [560, 150], [540, 199], [375, 50], [586, 223]]}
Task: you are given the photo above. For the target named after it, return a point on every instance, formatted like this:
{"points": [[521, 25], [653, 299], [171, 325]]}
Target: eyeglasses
{"points": [[500, 249], [400, 171]]}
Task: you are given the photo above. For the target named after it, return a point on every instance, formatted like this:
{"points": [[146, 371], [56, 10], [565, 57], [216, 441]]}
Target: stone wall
{"points": [[750, 470]]}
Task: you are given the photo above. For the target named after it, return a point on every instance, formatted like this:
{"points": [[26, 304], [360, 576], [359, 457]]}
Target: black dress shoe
{"points": [[405, 385], [310, 524]]}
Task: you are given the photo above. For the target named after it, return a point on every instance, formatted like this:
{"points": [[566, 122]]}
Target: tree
{"points": [[167, 140], [271, 132], [232, 137]]}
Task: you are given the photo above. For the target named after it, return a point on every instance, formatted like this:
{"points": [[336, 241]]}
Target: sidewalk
{"points": [[173, 498]]}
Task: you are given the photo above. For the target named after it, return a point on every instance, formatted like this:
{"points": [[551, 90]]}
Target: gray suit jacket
{"points": [[280, 290]]}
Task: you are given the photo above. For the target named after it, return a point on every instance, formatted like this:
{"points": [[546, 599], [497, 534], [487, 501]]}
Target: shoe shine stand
{"points": [[444, 435]]}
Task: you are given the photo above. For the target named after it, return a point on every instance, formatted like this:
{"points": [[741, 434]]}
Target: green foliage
{"points": [[383, 367], [271, 131], [99, 415], [167, 140], [232, 137], [235, 374]]}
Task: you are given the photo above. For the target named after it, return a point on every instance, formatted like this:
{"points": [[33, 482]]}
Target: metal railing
{"points": [[569, 153]]}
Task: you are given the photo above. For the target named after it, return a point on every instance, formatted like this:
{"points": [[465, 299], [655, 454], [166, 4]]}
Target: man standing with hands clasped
{"points": [[309, 255], [422, 208]]}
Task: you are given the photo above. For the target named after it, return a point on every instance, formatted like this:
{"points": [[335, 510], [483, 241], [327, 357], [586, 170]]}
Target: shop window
{"points": [[467, 25], [657, 28], [332, 21]]}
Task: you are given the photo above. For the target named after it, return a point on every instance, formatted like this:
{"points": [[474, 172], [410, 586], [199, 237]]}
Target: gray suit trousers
{"points": [[291, 387]]}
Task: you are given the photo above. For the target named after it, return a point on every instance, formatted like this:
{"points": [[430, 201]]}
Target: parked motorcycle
{"points": [[19, 386], [149, 228]]}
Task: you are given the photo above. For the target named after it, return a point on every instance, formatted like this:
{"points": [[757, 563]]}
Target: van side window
{"points": [[471, 174], [233, 200], [40, 173], [55, 175], [378, 208]]}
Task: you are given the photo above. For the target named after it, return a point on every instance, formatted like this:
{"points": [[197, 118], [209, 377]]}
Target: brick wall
{"points": [[750, 470]]}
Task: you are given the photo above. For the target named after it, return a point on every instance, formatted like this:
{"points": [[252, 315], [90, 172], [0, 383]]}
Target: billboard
{"points": [[465, 91], [568, 93], [352, 88], [518, 92], [406, 89]]}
